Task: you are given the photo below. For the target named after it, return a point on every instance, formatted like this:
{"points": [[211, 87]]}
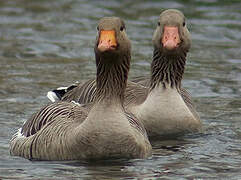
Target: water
{"points": [[45, 44]]}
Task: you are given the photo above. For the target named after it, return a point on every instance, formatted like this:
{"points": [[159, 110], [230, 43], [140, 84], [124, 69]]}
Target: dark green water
{"points": [[49, 43]]}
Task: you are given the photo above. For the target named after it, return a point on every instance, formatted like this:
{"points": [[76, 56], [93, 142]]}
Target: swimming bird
{"points": [[99, 130], [160, 102]]}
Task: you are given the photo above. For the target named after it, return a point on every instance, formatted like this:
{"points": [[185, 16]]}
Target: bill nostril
{"points": [[107, 40]]}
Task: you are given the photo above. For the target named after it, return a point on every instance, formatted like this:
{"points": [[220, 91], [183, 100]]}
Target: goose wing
{"points": [[136, 123], [188, 100], [135, 92], [82, 93], [51, 113]]}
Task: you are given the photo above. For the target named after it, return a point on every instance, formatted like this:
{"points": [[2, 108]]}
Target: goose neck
{"points": [[167, 69], [111, 80]]}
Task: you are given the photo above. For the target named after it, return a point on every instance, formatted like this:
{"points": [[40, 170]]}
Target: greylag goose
{"points": [[160, 103], [102, 129]]}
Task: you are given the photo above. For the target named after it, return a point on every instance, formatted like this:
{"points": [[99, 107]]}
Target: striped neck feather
{"points": [[111, 78], [167, 69]]}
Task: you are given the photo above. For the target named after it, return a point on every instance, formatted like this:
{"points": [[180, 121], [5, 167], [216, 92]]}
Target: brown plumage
{"points": [[102, 129], [159, 102]]}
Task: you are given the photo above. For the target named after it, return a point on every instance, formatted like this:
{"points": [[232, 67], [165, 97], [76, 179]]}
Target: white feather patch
{"points": [[76, 103], [52, 96], [62, 88], [19, 134]]}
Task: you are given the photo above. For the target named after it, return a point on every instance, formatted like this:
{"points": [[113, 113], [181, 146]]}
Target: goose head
{"points": [[112, 43], [171, 35], [113, 55]]}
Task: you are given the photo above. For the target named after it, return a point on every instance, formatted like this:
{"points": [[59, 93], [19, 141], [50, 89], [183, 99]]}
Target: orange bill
{"points": [[107, 40], [170, 38]]}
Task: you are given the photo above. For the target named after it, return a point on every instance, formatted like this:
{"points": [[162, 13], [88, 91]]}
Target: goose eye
{"points": [[158, 23], [184, 23], [121, 28], [97, 28]]}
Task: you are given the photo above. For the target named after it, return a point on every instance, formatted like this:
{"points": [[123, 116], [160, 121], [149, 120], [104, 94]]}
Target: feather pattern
{"points": [[167, 69], [68, 130], [50, 113]]}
